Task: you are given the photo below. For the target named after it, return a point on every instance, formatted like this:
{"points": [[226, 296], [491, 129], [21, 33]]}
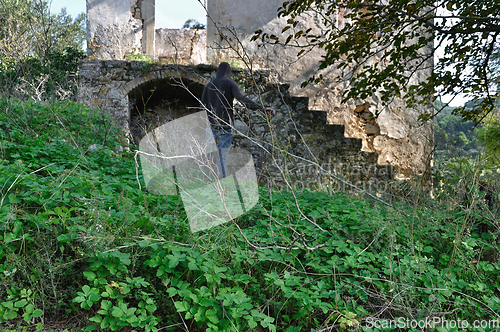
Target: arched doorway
{"points": [[159, 101]]}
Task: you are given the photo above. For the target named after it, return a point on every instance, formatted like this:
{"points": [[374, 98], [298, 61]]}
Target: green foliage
{"points": [[359, 36], [489, 136], [19, 301], [28, 28], [80, 238], [115, 313], [55, 74], [138, 57], [40, 51], [454, 137], [193, 24], [213, 293]]}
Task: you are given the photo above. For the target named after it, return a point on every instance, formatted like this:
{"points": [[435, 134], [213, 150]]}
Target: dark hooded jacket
{"points": [[218, 97]]}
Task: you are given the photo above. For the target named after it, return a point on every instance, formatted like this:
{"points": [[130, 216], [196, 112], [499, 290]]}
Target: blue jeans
{"points": [[223, 139]]}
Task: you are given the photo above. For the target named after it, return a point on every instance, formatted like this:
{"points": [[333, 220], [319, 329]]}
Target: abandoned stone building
{"points": [[313, 131]]}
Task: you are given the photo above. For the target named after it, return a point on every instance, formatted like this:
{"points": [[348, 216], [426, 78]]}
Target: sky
{"points": [[169, 13]]}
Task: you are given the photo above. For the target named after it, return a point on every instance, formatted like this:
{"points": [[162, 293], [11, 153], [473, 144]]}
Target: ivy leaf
{"points": [[211, 314], [182, 306]]}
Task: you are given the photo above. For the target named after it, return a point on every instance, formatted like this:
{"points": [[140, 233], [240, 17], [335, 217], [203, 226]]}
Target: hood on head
{"points": [[224, 70]]}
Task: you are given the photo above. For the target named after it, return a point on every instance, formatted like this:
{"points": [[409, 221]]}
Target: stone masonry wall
{"points": [[118, 28], [393, 131], [114, 29], [296, 146], [181, 46]]}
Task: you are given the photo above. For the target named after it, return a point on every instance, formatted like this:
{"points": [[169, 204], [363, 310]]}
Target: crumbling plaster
{"points": [[182, 46], [116, 28]]}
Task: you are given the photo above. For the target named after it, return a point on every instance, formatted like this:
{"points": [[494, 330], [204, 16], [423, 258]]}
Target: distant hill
{"points": [[452, 136]]}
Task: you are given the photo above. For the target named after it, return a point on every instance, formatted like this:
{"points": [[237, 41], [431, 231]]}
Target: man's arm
{"points": [[204, 98], [249, 102], [244, 99]]}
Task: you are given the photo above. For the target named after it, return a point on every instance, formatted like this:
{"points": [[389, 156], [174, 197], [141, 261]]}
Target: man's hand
{"points": [[271, 112]]}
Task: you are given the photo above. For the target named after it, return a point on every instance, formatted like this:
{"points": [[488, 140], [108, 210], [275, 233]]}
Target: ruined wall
{"points": [[120, 27], [282, 147], [125, 30], [106, 85], [396, 134], [182, 46], [116, 28]]}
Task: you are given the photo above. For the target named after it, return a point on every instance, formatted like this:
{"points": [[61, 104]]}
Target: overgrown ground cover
{"points": [[84, 247]]}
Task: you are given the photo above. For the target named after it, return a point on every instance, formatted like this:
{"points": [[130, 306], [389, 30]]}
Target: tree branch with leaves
{"points": [[381, 47]]}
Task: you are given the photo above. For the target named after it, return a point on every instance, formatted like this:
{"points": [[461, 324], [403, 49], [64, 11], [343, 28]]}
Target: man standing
{"points": [[218, 96]]}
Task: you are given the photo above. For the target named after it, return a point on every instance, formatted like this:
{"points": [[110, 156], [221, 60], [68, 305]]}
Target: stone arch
{"points": [[157, 98], [173, 72]]}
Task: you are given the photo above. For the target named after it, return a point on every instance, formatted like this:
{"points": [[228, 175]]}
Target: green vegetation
{"points": [[138, 57], [193, 24], [489, 136], [39, 51], [466, 157], [81, 242], [454, 137]]}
